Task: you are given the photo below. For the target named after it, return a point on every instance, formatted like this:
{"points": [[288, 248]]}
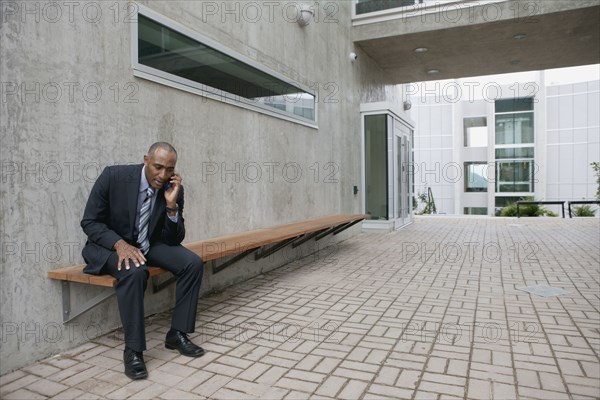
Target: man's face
{"points": [[160, 167]]}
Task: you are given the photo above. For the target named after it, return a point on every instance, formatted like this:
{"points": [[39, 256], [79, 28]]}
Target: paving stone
{"points": [[390, 391], [210, 386], [176, 394], [353, 374], [386, 324], [331, 386], [152, 392], [387, 375], [12, 376], [69, 394], [480, 389], [23, 394], [272, 375], [296, 384], [41, 369], [46, 387], [19, 383], [306, 376]]}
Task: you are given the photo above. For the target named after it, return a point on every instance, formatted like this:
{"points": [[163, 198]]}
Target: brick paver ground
{"points": [[429, 312]]}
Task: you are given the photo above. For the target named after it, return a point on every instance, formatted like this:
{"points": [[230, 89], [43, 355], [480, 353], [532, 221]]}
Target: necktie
{"points": [[144, 219]]}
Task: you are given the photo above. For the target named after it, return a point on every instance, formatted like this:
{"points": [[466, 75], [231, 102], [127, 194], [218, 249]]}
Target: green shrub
{"points": [[584, 211], [530, 210], [596, 167]]}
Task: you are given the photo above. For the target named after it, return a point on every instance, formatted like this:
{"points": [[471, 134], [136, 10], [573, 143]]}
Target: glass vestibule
{"points": [[387, 179]]}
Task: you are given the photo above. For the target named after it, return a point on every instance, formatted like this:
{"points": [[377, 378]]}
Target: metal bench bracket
{"points": [[274, 248], [69, 314], [221, 267]]}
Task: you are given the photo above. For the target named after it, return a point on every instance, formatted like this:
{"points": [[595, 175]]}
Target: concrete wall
{"points": [[58, 132]]}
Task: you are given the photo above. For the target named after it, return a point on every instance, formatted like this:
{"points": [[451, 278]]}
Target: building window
{"points": [[515, 152], [475, 210], [476, 177], [368, 6], [502, 201], [179, 57], [514, 121], [514, 128], [515, 176], [515, 168], [475, 132]]}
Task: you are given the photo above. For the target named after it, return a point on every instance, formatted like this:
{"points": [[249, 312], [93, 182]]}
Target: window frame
{"points": [[467, 188], [465, 130], [174, 81]]}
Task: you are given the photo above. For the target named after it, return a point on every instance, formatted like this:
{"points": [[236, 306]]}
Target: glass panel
{"points": [[399, 176], [512, 105], [476, 177], [514, 176], [514, 128], [376, 172], [367, 6], [406, 179], [504, 201], [515, 152], [169, 51], [475, 211], [475, 132]]}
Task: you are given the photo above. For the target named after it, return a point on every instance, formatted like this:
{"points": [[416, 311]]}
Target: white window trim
{"points": [[167, 79]]}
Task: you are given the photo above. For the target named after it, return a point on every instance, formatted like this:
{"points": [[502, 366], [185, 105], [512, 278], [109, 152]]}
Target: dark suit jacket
{"points": [[111, 211]]}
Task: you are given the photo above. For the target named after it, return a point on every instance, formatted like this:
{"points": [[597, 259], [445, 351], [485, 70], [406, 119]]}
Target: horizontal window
{"points": [[218, 73], [513, 105], [515, 152], [504, 201], [475, 210]]}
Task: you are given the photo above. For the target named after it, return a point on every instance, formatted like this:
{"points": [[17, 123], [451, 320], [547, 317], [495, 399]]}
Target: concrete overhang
{"points": [[480, 38]]}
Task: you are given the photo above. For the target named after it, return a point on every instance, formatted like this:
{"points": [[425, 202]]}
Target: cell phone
{"points": [[167, 186]]}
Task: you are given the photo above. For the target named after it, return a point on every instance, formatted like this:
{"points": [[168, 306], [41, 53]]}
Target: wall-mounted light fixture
{"points": [[305, 15]]}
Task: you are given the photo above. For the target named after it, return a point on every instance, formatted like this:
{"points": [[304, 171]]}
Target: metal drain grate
{"points": [[544, 290]]}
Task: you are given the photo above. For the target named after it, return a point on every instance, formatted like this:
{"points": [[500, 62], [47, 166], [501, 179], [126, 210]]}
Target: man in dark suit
{"points": [[134, 217]]}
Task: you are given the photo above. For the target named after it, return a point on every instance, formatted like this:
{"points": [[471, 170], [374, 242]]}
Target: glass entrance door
{"points": [[387, 180], [403, 179]]}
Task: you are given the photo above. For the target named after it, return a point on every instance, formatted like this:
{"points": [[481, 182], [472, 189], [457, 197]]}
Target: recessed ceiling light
{"points": [[421, 49], [519, 36], [433, 71]]}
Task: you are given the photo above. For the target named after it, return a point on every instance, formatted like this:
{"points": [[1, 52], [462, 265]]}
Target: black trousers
{"points": [[131, 285]]}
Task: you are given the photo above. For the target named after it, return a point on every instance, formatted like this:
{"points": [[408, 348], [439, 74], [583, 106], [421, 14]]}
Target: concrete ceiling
{"points": [[559, 35]]}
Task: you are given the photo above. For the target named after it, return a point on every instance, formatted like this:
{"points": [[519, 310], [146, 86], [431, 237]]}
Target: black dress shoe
{"points": [[179, 341], [135, 368]]}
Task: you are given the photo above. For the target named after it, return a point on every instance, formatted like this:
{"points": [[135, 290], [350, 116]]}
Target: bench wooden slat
{"points": [[222, 246], [227, 245], [76, 274]]}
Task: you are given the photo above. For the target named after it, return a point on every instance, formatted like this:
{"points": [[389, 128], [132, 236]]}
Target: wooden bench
{"points": [[260, 242], [529, 202], [581, 202]]}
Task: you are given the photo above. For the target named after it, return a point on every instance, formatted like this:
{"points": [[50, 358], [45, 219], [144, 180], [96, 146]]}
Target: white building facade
{"points": [[480, 146]]}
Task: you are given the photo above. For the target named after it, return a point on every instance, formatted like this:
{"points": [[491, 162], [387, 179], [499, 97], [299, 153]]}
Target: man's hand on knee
{"points": [[127, 253]]}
